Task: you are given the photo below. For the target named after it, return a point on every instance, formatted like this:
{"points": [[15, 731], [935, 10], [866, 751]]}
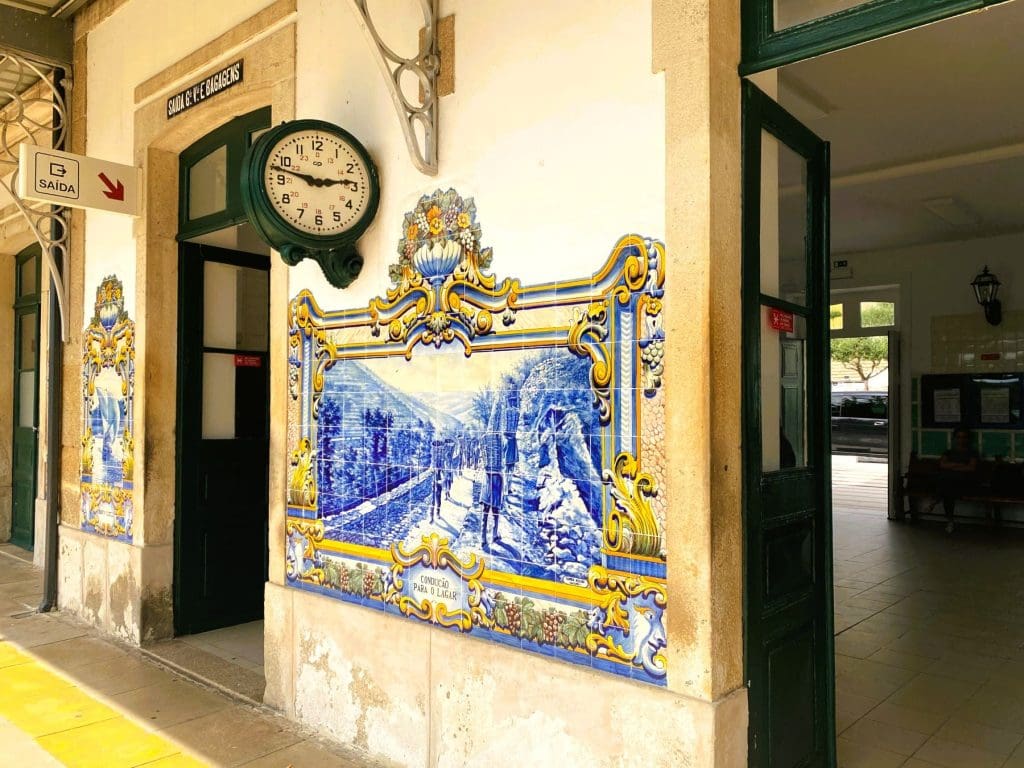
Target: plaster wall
{"points": [[558, 136], [557, 129]]}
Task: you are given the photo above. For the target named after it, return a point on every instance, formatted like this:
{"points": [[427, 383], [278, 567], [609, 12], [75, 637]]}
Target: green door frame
{"points": [[764, 47], [25, 438], [236, 135], [787, 512]]}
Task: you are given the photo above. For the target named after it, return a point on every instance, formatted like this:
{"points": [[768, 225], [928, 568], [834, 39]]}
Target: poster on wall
{"points": [[947, 406], [995, 405], [485, 456]]}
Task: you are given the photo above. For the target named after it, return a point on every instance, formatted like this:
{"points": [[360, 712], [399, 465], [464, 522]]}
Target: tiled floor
{"points": [[929, 639]]}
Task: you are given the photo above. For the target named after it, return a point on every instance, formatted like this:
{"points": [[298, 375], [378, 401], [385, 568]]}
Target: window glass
{"points": [[877, 314], [27, 399], [218, 396], [27, 283], [783, 395], [207, 185], [835, 317], [236, 303], [789, 13], [783, 221], [27, 351], [865, 406]]}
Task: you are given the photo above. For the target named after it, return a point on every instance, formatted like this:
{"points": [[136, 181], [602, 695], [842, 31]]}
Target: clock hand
{"points": [[332, 182], [312, 180]]}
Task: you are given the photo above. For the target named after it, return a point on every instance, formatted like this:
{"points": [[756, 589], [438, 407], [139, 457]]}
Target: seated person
{"points": [[957, 477]]}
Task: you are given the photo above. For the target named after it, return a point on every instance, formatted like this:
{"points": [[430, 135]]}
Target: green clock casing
{"points": [[311, 189]]}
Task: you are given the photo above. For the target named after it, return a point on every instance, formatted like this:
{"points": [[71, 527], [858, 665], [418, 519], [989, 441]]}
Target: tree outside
{"points": [[867, 356]]}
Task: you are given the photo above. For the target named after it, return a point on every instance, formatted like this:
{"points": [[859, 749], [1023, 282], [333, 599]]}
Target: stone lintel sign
{"points": [[197, 93]]}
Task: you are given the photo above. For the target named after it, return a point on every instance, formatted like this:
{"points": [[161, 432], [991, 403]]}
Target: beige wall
{"points": [[394, 688], [127, 588]]}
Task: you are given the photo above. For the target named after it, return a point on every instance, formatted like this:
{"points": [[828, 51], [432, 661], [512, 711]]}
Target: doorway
{"points": [[221, 554], [224, 446], [788, 628], [26, 396], [927, 145]]}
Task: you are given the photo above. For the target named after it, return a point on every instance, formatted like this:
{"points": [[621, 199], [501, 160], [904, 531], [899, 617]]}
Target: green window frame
{"points": [[236, 136], [764, 47]]}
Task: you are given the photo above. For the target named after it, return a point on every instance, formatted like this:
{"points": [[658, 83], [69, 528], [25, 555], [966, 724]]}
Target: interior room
{"points": [[927, 191]]}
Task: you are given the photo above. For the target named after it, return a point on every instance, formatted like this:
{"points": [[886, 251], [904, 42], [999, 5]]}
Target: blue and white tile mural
{"points": [[108, 382], [487, 456]]}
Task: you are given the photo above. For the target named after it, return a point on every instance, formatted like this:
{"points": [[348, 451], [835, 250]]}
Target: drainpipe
{"points": [[54, 398]]}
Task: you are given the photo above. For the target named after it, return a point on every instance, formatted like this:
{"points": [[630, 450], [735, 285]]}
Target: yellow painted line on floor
{"points": [[73, 726]]}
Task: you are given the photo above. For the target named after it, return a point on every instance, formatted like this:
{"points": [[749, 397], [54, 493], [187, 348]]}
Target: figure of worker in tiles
{"points": [[451, 461], [500, 456], [437, 477]]}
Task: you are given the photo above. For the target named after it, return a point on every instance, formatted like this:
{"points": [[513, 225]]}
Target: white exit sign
{"points": [[77, 181]]}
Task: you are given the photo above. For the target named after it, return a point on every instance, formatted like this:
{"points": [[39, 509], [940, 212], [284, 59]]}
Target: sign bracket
{"points": [[48, 223], [419, 117]]}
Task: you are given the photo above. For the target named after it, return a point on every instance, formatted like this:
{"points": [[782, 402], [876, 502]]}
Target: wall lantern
{"points": [[986, 286]]}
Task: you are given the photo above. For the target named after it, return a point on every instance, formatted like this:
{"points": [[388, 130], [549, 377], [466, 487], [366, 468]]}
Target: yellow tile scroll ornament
{"points": [[108, 382]]}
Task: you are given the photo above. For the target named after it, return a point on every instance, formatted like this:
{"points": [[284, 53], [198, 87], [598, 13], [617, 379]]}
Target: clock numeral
{"points": [[318, 146], [298, 149], [350, 168], [354, 186], [280, 179], [348, 204], [337, 216], [286, 161], [286, 198], [318, 220], [330, 160], [301, 211]]}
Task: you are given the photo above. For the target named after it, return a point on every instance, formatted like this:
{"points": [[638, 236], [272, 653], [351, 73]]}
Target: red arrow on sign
{"points": [[114, 193]]}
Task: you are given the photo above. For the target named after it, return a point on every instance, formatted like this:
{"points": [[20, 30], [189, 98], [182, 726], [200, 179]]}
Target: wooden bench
{"points": [[994, 484]]}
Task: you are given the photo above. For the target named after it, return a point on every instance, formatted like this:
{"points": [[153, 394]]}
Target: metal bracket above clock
{"points": [[425, 66]]}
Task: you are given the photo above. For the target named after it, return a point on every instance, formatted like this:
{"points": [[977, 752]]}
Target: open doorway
{"points": [[927, 145], [221, 553]]}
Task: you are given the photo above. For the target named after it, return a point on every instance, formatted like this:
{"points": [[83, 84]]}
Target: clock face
{"points": [[317, 182]]}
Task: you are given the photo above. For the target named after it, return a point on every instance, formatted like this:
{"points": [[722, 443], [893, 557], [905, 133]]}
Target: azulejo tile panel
{"points": [[108, 383], [474, 453]]}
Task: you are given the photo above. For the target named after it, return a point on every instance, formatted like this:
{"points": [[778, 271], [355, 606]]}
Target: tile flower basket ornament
{"points": [[441, 292], [500, 479]]}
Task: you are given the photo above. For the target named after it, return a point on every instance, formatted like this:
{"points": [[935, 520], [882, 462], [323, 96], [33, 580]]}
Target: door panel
{"points": [[223, 452], [25, 404], [788, 627]]}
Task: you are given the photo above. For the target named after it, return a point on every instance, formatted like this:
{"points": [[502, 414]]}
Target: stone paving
{"points": [[70, 697]]}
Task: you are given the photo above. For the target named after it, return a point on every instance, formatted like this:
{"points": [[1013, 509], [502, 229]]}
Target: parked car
{"points": [[860, 423]]}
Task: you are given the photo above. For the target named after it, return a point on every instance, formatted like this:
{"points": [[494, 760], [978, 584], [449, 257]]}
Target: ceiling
{"points": [[38, 6], [927, 132]]}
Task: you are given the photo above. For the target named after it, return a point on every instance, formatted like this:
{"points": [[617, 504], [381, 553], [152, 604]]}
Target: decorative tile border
{"points": [[485, 456], [108, 383]]}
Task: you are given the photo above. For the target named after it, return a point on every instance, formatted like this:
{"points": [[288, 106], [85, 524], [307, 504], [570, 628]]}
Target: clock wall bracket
{"points": [[418, 117]]}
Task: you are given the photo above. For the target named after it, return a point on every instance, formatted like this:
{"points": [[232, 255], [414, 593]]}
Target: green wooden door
{"points": [[788, 539], [26, 389], [223, 438]]}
